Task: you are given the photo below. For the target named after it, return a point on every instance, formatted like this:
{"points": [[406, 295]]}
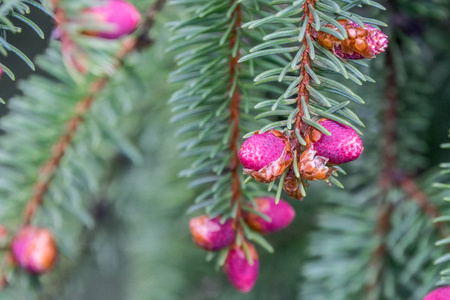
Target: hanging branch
{"points": [[49, 169], [328, 39], [47, 172]]}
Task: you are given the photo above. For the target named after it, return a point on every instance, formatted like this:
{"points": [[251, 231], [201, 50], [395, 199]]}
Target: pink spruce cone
{"points": [[240, 272], [260, 150], [210, 234], [123, 16], [442, 293], [344, 144], [34, 249], [1, 72], [265, 156], [281, 215]]}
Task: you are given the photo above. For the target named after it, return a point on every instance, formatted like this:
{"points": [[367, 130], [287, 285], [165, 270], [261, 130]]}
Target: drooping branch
{"points": [[51, 166]]}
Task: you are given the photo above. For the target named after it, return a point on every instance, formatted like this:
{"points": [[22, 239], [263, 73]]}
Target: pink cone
{"points": [[442, 293], [124, 17], [210, 234], [281, 215], [34, 249], [259, 150], [240, 273], [344, 144]]}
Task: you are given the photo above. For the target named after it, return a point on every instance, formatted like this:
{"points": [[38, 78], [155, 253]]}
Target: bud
{"points": [[442, 293], [34, 249], [240, 272], [344, 145], [362, 42], [1, 72], [210, 234], [265, 156], [281, 215], [121, 15]]}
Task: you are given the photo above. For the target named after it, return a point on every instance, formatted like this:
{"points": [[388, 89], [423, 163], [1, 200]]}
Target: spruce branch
{"points": [[48, 170], [234, 119], [300, 44], [305, 62]]}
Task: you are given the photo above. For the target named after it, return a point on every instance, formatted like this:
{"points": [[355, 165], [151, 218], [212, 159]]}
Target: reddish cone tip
{"points": [[344, 144], [34, 249], [442, 293], [240, 272], [121, 15], [259, 150], [210, 234], [281, 215]]}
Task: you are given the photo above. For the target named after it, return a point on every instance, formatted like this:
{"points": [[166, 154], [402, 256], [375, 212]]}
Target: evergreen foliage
{"points": [[12, 14], [90, 154]]}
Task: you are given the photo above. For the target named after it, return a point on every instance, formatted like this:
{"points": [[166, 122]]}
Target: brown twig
{"points": [[236, 193], [304, 61]]}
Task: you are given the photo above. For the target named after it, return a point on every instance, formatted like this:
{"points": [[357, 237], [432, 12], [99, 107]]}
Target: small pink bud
{"points": [[442, 293], [344, 144], [210, 234], [281, 215], [265, 156], [240, 272], [1, 72], [34, 249], [123, 16]]}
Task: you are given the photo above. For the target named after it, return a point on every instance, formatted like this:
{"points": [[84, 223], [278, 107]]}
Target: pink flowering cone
{"points": [[343, 146], [240, 272], [210, 234], [362, 42], [442, 293], [121, 15], [1, 72], [281, 215], [34, 249], [265, 156]]}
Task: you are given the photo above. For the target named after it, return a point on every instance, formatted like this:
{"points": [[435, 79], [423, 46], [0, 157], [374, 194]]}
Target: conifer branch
{"points": [[305, 61], [49, 168], [236, 194]]}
